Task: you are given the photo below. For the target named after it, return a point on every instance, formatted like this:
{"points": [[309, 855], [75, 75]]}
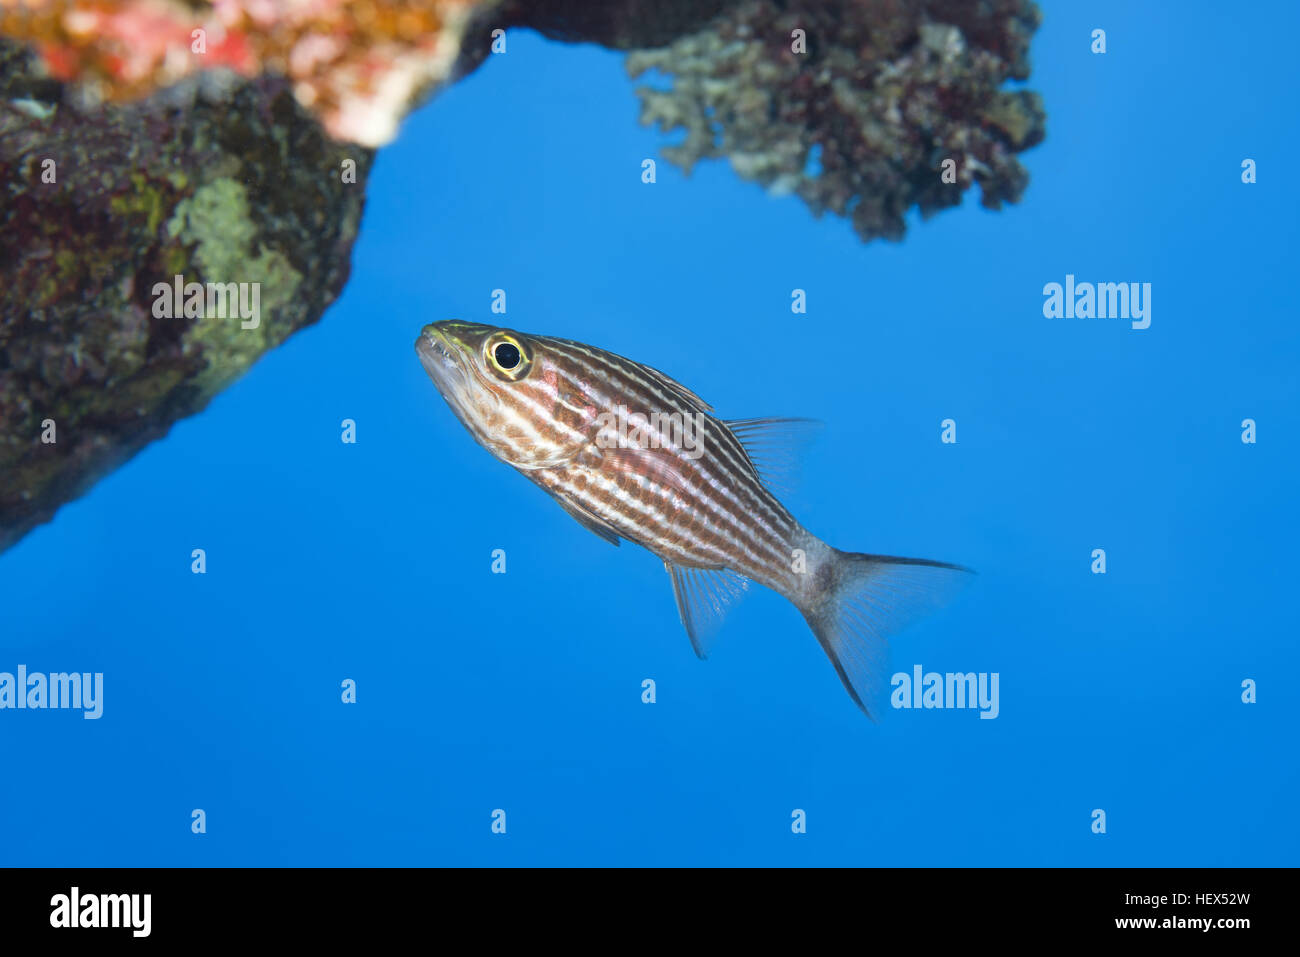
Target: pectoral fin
{"points": [[660, 466]]}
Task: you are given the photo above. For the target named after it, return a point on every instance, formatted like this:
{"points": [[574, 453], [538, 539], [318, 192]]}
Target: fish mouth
{"points": [[446, 365], [439, 360]]}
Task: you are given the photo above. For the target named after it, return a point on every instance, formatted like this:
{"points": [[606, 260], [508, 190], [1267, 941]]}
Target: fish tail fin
{"points": [[854, 602]]}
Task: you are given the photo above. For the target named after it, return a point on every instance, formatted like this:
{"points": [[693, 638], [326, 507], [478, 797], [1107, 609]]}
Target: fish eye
{"points": [[507, 357]]}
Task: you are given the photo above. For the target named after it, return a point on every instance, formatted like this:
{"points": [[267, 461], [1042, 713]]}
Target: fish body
{"points": [[632, 454]]}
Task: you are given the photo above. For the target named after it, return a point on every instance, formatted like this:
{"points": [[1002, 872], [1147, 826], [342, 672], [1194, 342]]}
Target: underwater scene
{"points": [[896, 526]]}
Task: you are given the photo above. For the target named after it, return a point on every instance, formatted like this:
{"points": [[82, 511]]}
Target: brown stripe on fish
{"points": [[737, 532], [747, 498]]}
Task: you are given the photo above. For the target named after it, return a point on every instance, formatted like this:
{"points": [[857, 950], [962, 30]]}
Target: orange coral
{"points": [[356, 64]]}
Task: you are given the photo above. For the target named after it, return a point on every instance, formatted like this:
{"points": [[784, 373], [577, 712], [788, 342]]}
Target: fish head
{"points": [[504, 387]]}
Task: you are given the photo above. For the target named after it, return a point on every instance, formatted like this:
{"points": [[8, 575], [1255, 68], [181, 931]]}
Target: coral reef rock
{"points": [[855, 105], [101, 212]]}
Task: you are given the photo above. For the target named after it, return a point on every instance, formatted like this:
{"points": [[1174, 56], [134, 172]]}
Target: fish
{"points": [[632, 454]]}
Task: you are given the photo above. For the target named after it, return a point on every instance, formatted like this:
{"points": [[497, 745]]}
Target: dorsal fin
{"points": [[775, 447], [672, 385], [661, 379]]}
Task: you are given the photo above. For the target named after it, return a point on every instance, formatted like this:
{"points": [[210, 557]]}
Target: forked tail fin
{"points": [[863, 599]]}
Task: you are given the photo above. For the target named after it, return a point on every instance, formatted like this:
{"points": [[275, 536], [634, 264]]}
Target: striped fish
{"points": [[633, 454]]}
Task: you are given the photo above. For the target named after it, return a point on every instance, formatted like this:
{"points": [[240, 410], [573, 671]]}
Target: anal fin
{"points": [[704, 596]]}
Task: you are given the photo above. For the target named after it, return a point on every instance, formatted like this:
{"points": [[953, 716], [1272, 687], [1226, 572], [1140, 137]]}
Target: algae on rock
{"points": [[99, 207]]}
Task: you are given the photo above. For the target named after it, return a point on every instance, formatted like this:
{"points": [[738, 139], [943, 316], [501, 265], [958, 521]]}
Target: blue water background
{"points": [[522, 691]]}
